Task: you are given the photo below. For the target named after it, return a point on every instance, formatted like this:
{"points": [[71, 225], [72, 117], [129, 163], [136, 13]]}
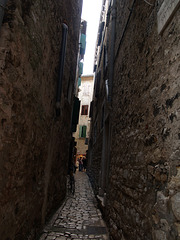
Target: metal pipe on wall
{"points": [[2, 8], [61, 67]]}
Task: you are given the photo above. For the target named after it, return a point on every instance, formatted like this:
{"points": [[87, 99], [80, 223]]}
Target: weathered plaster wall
{"points": [[34, 143], [85, 96], [81, 147], [143, 198]]}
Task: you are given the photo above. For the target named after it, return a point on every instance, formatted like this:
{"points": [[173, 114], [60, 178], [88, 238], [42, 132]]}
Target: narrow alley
{"points": [[78, 218], [116, 118]]}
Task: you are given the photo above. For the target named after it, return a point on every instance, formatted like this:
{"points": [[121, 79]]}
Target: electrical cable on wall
{"points": [[148, 3]]}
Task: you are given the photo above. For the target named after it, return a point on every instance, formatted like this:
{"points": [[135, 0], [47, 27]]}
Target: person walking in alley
{"points": [[84, 163], [80, 164]]}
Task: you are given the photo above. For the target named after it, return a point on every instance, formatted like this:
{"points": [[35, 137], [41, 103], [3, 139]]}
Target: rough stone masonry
{"points": [[33, 142], [144, 197], [142, 157]]}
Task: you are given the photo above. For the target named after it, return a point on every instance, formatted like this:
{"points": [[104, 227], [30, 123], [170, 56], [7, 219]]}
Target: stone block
{"points": [[159, 235], [162, 202], [174, 184], [164, 226], [175, 201], [178, 228]]}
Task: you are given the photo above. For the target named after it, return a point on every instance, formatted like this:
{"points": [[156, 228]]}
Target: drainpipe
{"points": [[61, 67], [111, 63], [2, 8]]}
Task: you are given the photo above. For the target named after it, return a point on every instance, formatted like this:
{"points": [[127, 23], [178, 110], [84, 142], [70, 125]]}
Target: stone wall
{"points": [[143, 198], [96, 142], [94, 165], [34, 143]]}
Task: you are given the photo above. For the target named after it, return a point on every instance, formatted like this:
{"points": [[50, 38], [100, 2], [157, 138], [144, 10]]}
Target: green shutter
{"points": [[79, 81], [84, 131], [80, 68], [80, 131], [83, 41]]}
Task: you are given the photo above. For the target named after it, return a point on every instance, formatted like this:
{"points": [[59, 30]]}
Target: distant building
{"points": [[76, 100], [85, 96]]}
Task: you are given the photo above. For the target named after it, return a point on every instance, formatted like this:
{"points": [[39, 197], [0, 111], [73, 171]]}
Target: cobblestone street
{"points": [[78, 218]]}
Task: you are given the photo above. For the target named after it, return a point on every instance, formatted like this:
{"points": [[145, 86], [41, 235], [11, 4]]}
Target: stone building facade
{"points": [[34, 139], [83, 128], [134, 150]]}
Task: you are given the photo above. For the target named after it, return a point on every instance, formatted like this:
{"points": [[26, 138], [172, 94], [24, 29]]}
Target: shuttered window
{"points": [[84, 110], [80, 68], [82, 131], [79, 81]]}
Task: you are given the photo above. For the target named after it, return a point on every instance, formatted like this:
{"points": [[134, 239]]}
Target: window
{"points": [[86, 141], [84, 110], [82, 131]]}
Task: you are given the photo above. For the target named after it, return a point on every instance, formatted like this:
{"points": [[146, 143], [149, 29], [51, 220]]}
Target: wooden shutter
{"points": [[83, 131], [80, 131]]}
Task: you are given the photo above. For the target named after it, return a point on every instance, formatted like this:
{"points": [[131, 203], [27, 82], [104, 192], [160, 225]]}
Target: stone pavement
{"points": [[78, 218]]}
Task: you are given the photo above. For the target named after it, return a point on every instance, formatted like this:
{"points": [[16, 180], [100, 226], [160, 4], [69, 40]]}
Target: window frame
{"points": [[84, 109], [82, 131]]}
